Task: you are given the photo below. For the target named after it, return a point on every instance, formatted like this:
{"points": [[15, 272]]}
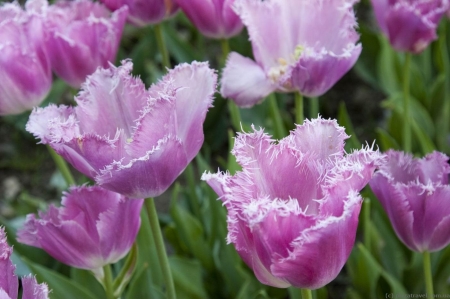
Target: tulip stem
{"points": [[314, 107], [62, 166], [306, 293], [444, 123], [108, 282], [427, 273], [279, 129], [406, 104], [299, 114], [162, 46], [235, 115], [225, 50], [160, 247]]}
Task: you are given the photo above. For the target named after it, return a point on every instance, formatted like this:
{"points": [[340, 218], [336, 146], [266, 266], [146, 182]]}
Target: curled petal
{"points": [[244, 81]]}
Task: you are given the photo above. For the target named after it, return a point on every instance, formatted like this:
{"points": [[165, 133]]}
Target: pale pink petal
{"points": [[122, 94], [192, 102], [433, 167], [244, 81], [33, 290]]}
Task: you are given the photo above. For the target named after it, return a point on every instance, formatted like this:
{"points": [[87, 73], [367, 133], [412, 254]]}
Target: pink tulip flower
{"points": [[145, 12], [25, 72], [293, 209], [416, 196], [410, 25], [213, 18], [131, 140], [82, 36], [298, 45], [93, 228], [9, 284]]}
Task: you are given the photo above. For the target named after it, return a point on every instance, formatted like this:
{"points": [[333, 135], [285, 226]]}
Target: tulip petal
{"points": [[149, 175], [397, 208], [322, 138], [33, 290], [116, 89], [8, 281], [315, 74], [192, 102], [310, 265], [244, 81]]}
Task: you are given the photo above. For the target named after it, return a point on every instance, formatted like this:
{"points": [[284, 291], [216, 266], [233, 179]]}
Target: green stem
{"points": [[299, 114], [62, 166], [306, 294], [160, 247], [108, 282], [366, 207], [314, 107], [225, 50], [280, 130], [406, 104], [235, 115], [444, 123], [427, 274], [162, 45]]}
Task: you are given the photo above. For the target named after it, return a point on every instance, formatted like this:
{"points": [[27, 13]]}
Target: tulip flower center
{"points": [[277, 71]]}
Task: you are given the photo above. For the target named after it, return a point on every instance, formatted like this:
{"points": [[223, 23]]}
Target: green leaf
{"points": [[147, 254], [141, 286], [86, 279], [190, 232], [345, 121], [389, 68], [187, 276], [61, 287], [386, 141]]}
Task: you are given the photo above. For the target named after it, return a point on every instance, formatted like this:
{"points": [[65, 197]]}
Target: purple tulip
{"points": [[213, 18], [145, 12], [25, 73], [9, 284], [410, 25], [293, 209], [416, 196], [82, 36], [298, 45], [131, 140], [93, 228]]}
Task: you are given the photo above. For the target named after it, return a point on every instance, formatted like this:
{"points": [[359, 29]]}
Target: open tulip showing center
{"points": [[293, 209]]}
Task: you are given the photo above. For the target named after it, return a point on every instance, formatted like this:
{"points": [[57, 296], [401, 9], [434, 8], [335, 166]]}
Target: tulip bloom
{"points": [[416, 196], [25, 72], [93, 228], [82, 36], [298, 45], [293, 209], [410, 25], [9, 284], [213, 18], [145, 12], [131, 140]]}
